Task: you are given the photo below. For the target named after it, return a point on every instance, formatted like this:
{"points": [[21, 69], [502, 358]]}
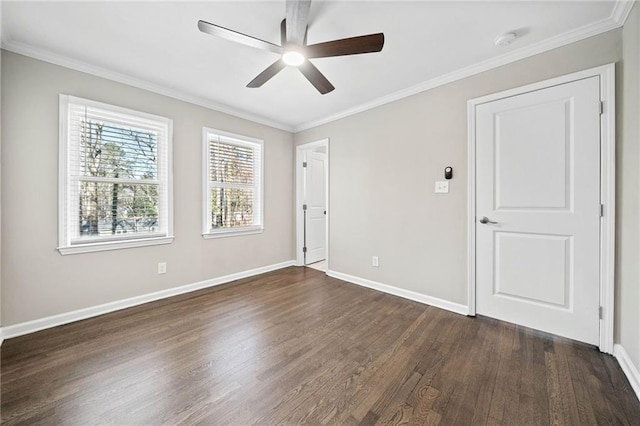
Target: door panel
{"points": [[316, 200], [538, 179], [532, 166], [516, 276]]}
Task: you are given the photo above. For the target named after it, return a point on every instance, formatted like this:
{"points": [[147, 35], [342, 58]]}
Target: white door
{"points": [[538, 179], [315, 196]]}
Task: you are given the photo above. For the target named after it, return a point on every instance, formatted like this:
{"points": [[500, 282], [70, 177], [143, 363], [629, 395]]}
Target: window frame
{"points": [[66, 199], [207, 184]]}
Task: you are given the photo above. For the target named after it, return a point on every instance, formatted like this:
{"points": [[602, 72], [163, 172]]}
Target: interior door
{"points": [[316, 201], [538, 209]]}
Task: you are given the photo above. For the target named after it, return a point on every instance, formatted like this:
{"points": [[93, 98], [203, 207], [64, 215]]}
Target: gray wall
{"points": [[628, 219], [36, 280], [383, 164]]}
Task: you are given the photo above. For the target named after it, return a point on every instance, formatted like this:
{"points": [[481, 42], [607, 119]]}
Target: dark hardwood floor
{"points": [[294, 346]]}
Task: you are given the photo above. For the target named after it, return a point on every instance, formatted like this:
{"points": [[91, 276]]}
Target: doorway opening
{"points": [[312, 205]]}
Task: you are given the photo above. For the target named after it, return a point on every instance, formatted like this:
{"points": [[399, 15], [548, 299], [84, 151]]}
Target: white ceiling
{"points": [[157, 45]]}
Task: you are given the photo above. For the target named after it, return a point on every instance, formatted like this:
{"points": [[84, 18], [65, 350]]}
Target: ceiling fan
{"points": [[294, 50]]}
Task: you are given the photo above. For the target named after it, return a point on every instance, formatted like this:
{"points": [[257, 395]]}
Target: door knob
{"points": [[486, 220]]}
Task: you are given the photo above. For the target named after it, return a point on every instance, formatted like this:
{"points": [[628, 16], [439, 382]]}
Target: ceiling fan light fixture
{"points": [[293, 58]]}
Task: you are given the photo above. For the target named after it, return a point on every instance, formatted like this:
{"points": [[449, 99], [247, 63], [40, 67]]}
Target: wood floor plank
{"points": [[396, 411], [556, 416], [504, 345], [484, 379], [567, 392], [422, 404], [297, 347], [459, 407]]}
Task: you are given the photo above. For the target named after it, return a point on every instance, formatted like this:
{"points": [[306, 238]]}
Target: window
{"points": [[115, 177], [232, 184]]}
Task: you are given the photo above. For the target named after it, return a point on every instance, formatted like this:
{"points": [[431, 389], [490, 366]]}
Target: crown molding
{"points": [[616, 20], [621, 11], [67, 62]]}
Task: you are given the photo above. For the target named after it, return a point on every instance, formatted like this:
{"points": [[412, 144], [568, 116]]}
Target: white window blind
{"points": [[232, 184], [115, 180]]}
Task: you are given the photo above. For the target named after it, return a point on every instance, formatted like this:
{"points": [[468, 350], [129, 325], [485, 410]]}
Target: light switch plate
{"points": [[442, 187]]}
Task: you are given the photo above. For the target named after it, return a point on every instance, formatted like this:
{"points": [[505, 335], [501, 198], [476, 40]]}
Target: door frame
{"points": [[607, 189], [299, 198]]}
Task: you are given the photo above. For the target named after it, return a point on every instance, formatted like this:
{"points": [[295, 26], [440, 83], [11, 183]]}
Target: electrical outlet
{"points": [[442, 187], [162, 268], [375, 262]]}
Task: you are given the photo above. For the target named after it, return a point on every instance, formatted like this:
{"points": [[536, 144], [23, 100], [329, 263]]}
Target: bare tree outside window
{"points": [[118, 189], [234, 165], [233, 183]]}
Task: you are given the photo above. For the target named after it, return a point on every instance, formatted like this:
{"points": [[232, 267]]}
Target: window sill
{"points": [[113, 245], [233, 232]]}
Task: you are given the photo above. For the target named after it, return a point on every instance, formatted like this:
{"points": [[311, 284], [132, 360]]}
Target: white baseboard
{"points": [[68, 317], [407, 294], [630, 370]]}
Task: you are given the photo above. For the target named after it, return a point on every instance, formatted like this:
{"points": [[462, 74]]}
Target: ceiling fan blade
{"points": [[316, 78], [297, 20], [217, 30], [346, 46], [267, 74]]}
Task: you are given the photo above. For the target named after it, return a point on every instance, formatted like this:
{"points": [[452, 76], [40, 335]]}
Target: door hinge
{"points": [[304, 249], [600, 312], [601, 107], [304, 207], [304, 164], [601, 210]]}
